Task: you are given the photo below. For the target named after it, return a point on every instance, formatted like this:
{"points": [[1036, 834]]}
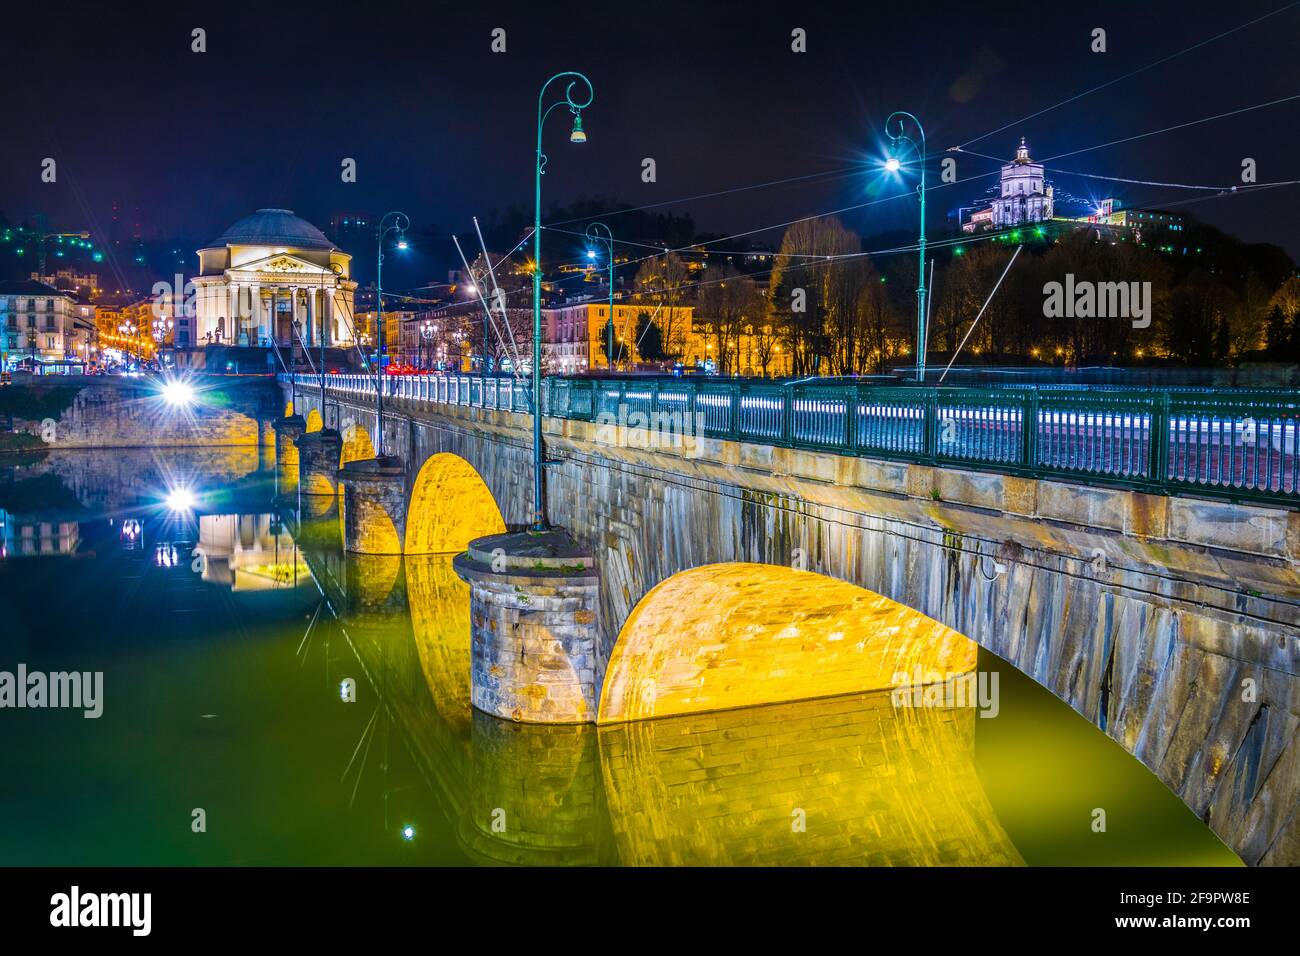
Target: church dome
{"points": [[274, 227]]}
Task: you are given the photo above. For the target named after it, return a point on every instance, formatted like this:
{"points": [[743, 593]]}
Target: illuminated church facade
{"points": [[272, 279], [1024, 196]]}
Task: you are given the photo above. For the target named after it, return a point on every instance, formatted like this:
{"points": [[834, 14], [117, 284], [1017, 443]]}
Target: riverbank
{"points": [[147, 412]]}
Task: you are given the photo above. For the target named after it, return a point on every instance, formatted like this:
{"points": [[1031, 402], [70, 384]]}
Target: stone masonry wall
{"points": [[114, 412]]}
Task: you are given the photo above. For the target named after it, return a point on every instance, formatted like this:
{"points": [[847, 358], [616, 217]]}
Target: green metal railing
{"points": [[1229, 443]]}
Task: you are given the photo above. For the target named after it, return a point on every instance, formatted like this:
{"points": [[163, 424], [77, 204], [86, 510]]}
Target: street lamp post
{"points": [[296, 326], [338, 274], [129, 332], [427, 332], [484, 365], [594, 233], [896, 138], [400, 223], [161, 327], [576, 135]]}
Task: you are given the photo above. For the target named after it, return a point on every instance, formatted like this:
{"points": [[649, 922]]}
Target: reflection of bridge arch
{"points": [[851, 780], [314, 422], [734, 635], [439, 602], [357, 444], [450, 505]]}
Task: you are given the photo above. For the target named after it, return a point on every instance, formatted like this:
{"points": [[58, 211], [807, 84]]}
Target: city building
{"points": [[401, 337], [460, 331], [86, 344], [36, 535], [108, 318], [436, 338], [127, 330], [40, 326], [266, 272], [573, 336], [69, 280], [573, 339], [1151, 222]]}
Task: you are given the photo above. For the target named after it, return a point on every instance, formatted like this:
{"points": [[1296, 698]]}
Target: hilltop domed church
{"points": [[1025, 196], [263, 273]]}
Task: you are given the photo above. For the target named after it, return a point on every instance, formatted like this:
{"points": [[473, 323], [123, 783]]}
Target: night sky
{"points": [[443, 128]]}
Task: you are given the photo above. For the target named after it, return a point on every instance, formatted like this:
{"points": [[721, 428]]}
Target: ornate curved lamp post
{"points": [[296, 326], [338, 274], [594, 234], [128, 331], [427, 329], [897, 138], [576, 135], [399, 224]]}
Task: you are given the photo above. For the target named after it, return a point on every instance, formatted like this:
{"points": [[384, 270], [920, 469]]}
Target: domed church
{"points": [[264, 273]]}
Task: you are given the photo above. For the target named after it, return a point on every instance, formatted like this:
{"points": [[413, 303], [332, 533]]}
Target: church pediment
{"points": [[282, 263]]}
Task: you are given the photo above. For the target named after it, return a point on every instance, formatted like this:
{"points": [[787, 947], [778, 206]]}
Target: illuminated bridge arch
{"points": [[450, 506], [357, 445], [734, 635], [314, 422]]}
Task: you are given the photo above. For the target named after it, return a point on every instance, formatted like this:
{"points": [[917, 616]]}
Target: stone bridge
{"points": [[713, 573]]}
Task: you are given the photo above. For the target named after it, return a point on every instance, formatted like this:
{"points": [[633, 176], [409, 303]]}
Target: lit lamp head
{"points": [[178, 394], [892, 164], [181, 499], [401, 242], [578, 135], [591, 253]]}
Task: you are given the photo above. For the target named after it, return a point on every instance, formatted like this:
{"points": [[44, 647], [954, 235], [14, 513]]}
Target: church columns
{"points": [[267, 335], [311, 313], [233, 305], [256, 315], [293, 311], [250, 309], [327, 320]]}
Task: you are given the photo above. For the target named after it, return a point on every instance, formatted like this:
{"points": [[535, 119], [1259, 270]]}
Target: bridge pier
{"points": [[318, 462], [532, 627], [374, 505], [287, 432]]}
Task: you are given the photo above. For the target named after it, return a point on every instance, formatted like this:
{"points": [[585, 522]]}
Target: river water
{"points": [[268, 700]]}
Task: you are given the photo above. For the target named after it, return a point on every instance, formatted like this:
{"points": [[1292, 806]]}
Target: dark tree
{"points": [[649, 340], [609, 334]]}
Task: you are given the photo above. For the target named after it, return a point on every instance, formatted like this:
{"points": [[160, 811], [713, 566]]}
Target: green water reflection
{"points": [[229, 638]]}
